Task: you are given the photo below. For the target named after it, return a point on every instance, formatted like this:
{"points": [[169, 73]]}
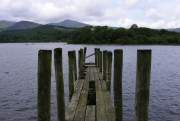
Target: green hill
{"points": [[5, 24], [91, 35], [22, 25], [70, 24]]}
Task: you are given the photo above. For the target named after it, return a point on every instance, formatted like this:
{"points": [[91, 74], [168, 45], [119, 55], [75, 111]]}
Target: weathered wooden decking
{"points": [[88, 104], [90, 94]]}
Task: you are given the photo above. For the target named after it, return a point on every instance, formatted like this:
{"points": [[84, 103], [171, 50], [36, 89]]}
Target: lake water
{"points": [[18, 80]]}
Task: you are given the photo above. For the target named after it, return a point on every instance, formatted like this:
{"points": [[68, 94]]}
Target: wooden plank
{"points": [[81, 108], [91, 73], [110, 112], [80, 111], [70, 112], [77, 84], [100, 105], [90, 113]]}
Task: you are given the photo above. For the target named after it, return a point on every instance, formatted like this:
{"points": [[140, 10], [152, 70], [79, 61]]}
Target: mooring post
{"points": [[59, 84], [104, 64], [81, 62], [107, 72], [44, 85], [142, 84], [84, 55], [118, 66], [110, 65], [100, 60], [75, 64], [71, 73], [96, 56], [85, 50], [109, 69]]}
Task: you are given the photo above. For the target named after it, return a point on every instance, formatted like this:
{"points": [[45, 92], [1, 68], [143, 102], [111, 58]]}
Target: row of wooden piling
{"points": [[44, 80], [73, 68], [103, 60], [142, 80]]}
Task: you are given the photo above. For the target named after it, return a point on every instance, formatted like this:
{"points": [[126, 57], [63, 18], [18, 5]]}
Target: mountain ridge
{"points": [[70, 23], [5, 24], [12, 25], [21, 25], [174, 29]]}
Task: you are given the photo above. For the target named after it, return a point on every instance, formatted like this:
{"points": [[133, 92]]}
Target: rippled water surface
{"points": [[18, 80]]}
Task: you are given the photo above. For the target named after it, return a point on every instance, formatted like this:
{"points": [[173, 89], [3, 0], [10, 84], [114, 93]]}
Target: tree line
{"points": [[92, 35]]}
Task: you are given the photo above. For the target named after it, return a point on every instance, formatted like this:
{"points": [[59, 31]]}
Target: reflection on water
{"points": [[18, 80]]}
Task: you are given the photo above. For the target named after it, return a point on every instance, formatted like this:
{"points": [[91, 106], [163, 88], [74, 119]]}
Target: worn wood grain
{"points": [[80, 110], [71, 109], [90, 113]]}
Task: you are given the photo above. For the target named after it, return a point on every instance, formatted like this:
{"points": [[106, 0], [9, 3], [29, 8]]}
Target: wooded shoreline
{"points": [[93, 35]]}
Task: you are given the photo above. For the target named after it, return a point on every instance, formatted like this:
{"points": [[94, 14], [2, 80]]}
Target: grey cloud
{"points": [[150, 13]]}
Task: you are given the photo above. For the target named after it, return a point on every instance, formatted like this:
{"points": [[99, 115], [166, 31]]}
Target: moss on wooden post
{"points": [[59, 84], [142, 85], [118, 66], [44, 85], [71, 73]]}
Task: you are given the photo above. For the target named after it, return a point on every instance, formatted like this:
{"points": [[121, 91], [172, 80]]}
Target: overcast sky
{"points": [[121, 13]]}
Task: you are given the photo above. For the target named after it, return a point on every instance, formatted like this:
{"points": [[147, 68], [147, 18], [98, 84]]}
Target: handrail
{"points": [[90, 55]]}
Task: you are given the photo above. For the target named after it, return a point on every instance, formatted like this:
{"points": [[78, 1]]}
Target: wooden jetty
{"points": [[89, 93], [91, 100]]}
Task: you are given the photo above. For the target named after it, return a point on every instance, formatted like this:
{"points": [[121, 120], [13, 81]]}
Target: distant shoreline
{"points": [[98, 35], [90, 44]]}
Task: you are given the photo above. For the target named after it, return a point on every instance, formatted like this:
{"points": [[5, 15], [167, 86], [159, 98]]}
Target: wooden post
{"points": [[85, 50], [104, 64], [109, 65], [97, 50], [142, 84], [71, 73], [75, 64], [96, 56], [81, 62], [100, 60], [118, 66], [84, 55], [59, 84], [44, 85], [109, 69]]}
